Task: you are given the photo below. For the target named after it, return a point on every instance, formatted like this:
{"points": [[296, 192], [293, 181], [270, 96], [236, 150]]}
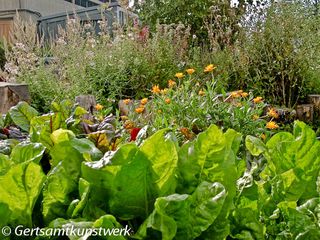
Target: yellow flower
{"points": [[272, 125], [263, 136], [98, 107], [257, 100], [171, 83], [179, 75], [244, 94], [255, 117], [209, 68], [201, 93], [144, 101], [159, 111], [190, 71], [139, 109], [168, 100], [273, 113], [124, 118], [128, 124], [164, 91], [155, 89], [127, 101], [235, 94]]}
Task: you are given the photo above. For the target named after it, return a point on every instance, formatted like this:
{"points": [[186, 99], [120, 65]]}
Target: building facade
{"points": [[35, 9]]}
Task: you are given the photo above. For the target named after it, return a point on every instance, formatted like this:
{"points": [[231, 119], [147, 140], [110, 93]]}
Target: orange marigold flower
{"points": [[171, 83], [128, 124], [99, 107], [272, 125], [244, 94], [155, 89], [179, 75], [273, 113], [201, 93], [144, 101], [209, 68], [257, 100], [235, 94], [127, 101], [139, 110], [164, 91], [190, 71], [168, 100]]}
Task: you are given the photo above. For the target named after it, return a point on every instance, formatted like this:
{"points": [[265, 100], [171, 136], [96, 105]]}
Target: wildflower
{"points": [[201, 93], [209, 68], [244, 94], [235, 94], [255, 117], [167, 100], [128, 124], [179, 75], [98, 107], [263, 136], [171, 83], [144, 101], [127, 101], [164, 91], [139, 109], [272, 125], [273, 113], [257, 100], [190, 71], [124, 118], [155, 89]]}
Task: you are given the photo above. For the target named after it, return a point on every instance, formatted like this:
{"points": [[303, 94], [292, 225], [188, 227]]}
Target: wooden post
{"points": [[305, 112], [88, 102], [11, 94]]}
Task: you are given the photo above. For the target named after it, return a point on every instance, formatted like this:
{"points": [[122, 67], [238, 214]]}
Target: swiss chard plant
{"points": [[59, 177]]}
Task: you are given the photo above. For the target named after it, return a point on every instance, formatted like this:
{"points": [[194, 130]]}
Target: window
{"points": [[85, 3]]}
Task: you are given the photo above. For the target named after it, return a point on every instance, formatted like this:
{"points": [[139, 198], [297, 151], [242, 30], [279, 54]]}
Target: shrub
{"points": [[279, 58], [82, 62]]}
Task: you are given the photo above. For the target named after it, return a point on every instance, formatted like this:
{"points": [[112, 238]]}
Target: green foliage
{"points": [[185, 216], [162, 191], [2, 56], [278, 57], [21, 115]]}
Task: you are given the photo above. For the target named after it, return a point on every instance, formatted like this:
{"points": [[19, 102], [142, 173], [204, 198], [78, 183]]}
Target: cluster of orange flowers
{"points": [[238, 94], [141, 108]]}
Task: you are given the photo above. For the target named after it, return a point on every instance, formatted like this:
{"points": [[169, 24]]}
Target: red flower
{"points": [[134, 133]]}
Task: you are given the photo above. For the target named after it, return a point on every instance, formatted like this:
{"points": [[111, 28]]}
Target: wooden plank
{"points": [[305, 112], [6, 26], [11, 94]]}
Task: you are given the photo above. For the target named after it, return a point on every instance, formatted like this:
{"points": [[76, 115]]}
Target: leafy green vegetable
{"points": [[20, 188], [22, 114], [211, 157], [25, 152], [185, 216], [255, 145], [61, 184], [5, 163]]}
